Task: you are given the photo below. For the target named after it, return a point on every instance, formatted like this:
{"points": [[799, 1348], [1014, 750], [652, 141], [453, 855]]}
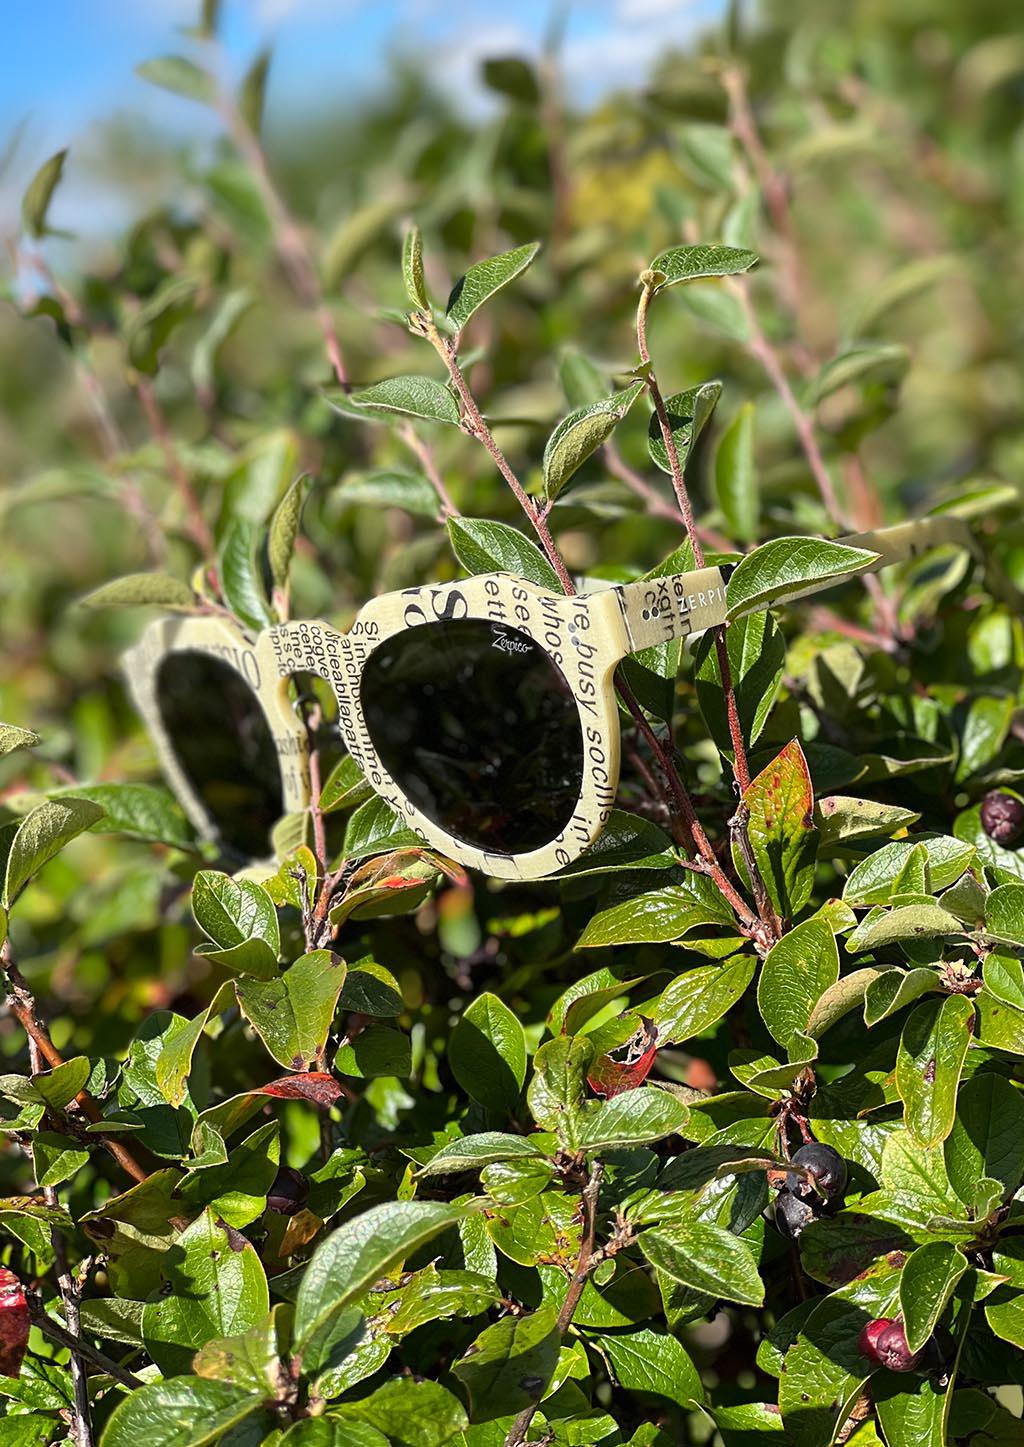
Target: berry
{"points": [[884, 1342], [826, 1166], [1002, 817], [289, 1192], [792, 1213]]}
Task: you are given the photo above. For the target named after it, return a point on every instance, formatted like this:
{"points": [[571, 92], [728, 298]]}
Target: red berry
{"points": [[14, 1323], [884, 1342], [1002, 817]]}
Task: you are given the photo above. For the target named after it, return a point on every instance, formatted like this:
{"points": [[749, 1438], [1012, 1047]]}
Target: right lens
{"points": [[221, 739]]}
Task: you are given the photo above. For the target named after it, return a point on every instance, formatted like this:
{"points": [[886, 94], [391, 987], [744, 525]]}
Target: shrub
{"points": [[720, 1133]]}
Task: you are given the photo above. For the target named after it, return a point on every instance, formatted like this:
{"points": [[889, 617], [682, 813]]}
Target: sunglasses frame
{"points": [[587, 635]]}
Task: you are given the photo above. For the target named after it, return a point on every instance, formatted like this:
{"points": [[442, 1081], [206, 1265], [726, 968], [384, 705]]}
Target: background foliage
{"points": [[631, 1269]]}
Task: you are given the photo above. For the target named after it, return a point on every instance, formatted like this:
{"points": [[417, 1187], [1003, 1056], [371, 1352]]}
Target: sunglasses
{"points": [[483, 711]]}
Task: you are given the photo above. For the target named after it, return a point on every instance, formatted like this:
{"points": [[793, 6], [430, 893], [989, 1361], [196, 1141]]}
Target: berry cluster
{"points": [[884, 1343], [799, 1201]]}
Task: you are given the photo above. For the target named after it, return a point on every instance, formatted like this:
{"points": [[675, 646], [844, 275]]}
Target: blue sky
{"points": [[69, 63]]}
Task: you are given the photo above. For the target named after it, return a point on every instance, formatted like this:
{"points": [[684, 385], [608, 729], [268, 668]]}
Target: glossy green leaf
{"points": [[633, 1117], [688, 414], [690, 263], [649, 1361], [487, 1053], [735, 476], [581, 433], [510, 1364], [485, 278], [796, 973], [555, 1093], [292, 1013], [421, 397], [987, 1138], [474, 1151], [489, 547], [40, 836], [705, 1258], [695, 1000], [927, 1281], [789, 567], [757, 653], [931, 1056], [182, 1412]]}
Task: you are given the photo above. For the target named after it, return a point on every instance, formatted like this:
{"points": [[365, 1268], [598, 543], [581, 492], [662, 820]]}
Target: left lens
{"points": [[221, 739], [477, 725]]}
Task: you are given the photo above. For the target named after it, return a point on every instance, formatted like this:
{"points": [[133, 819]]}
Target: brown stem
{"points": [[77, 1346], [21, 1003], [199, 529], [585, 1263], [474, 425], [739, 829], [419, 448], [655, 503]]}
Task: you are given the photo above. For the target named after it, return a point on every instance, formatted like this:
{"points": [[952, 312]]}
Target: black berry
{"points": [[826, 1166], [884, 1342], [1002, 817], [792, 1213], [289, 1192]]}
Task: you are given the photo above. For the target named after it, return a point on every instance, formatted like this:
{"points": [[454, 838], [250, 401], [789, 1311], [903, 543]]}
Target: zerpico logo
{"points": [[507, 643]]}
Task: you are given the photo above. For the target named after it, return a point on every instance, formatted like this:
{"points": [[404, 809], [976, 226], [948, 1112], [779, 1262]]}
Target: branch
{"points": [[199, 529], [77, 1345], [22, 1005], [585, 1263]]}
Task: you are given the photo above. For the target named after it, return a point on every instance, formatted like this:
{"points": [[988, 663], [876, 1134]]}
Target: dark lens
{"points": [[478, 726], [220, 736]]}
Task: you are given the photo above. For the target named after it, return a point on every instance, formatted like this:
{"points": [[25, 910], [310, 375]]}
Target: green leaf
{"points": [[689, 263], [983, 734], [35, 204], [1005, 1315], [706, 1258], [757, 655], [292, 1014], [138, 590], [40, 836], [390, 487], [409, 1412], [735, 476], [796, 973], [931, 1056], [987, 1139], [343, 788], [412, 268], [839, 999], [556, 1091], [650, 1361], [374, 829], [510, 76], [689, 413], [781, 830], [927, 1282], [632, 1118], [416, 396], [487, 547], [252, 92], [787, 567], [138, 811], [182, 76], [12, 737], [360, 1252], [240, 918], [580, 434], [875, 361], [60, 1086], [842, 820], [627, 842], [487, 1053], [284, 529], [485, 278], [56, 1158], [907, 922], [694, 1001], [174, 1061], [241, 575], [894, 989], [217, 1288], [655, 918], [183, 1412], [871, 881], [510, 1364], [248, 1361], [1004, 914], [474, 1151]]}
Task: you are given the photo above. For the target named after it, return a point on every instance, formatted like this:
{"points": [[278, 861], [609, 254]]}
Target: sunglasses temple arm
{"points": [[658, 610]]}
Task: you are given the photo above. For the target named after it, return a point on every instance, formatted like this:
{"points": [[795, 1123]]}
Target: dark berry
{"points": [[884, 1342], [289, 1192], [1002, 817], [792, 1213], [826, 1166]]}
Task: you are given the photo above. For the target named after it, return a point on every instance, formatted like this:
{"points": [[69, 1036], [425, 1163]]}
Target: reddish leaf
{"points": [[14, 1323], [629, 1065], [316, 1086], [781, 829]]}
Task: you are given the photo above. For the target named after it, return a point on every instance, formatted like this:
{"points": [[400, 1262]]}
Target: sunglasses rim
{"points": [[586, 631]]}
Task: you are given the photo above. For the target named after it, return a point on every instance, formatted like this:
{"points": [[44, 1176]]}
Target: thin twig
{"points": [[655, 503], [22, 1005], [78, 1346], [199, 529], [585, 1263]]}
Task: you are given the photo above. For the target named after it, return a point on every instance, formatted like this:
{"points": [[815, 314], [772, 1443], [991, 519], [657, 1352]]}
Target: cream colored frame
{"points": [[587, 636]]}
